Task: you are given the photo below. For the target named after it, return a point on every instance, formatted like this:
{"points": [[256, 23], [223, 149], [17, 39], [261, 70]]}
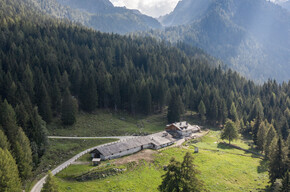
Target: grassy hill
{"points": [[222, 169]]}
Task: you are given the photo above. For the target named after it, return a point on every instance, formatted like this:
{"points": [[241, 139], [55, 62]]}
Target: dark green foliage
{"points": [[276, 166], [68, 109], [146, 100], [171, 179], [4, 144], [89, 95], [286, 182], [9, 178], [189, 180], [233, 113], [201, 109], [255, 129], [230, 131], [8, 120], [181, 177], [174, 109], [23, 155], [50, 184]]}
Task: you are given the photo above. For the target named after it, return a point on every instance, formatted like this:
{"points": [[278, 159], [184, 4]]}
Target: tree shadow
{"points": [[263, 167], [224, 146]]}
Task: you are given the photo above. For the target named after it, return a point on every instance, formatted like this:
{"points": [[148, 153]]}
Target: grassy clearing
{"points": [[60, 150], [106, 123], [222, 169]]}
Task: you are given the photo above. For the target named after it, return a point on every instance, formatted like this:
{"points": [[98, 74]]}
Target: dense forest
{"points": [[50, 69]]}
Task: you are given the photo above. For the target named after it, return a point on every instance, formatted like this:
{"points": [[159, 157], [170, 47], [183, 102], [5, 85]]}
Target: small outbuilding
{"points": [[96, 161]]}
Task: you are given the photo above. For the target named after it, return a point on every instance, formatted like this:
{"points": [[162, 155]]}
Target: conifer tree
{"points": [[174, 109], [276, 166], [4, 144], [69, 109], [271, 135], [89, 95], [255, 129], [9, 177], [50, 184], [233, 112], [189, 181], [44, 104], [286, 182], [202, 110], [171, 179], [8, 120], [146, 100], [262, 135], [23, 154], [230, 131]]}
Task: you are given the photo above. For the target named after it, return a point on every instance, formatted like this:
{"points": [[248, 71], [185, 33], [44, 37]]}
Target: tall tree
{"points": [[233, 112], [202, 110], [171, 179], [262, 134], [230, 131], [286, 182], [4, 144], [276, 166], [89, 95], [189, 180], [174, 109], [271, 135], [50, 184], [23, 154], [8, 120], [9, 177], [68, 109]]}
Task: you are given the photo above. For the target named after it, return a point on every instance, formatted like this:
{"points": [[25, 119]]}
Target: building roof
{"points": [[184, 126], [157, 139]]}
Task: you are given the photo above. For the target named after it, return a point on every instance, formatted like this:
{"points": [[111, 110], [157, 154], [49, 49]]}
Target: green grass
{"points": [[222, 169], [106, 123], [61, 150]]}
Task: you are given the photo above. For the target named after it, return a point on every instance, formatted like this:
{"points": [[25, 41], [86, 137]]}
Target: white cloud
{"points": [[154, 8]]}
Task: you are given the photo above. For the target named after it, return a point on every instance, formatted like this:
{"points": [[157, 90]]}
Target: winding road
{"points": [[38, 186]]}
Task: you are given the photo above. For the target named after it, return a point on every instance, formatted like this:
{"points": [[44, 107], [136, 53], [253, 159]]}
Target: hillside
{"points": [[251, 36], [98, 14]]}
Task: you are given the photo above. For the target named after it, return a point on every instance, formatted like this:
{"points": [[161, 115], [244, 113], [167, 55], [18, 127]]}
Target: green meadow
{"points": [[222, 169]]}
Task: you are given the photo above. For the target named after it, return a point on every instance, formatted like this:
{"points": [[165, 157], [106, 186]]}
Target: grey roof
{"points": [[184, 126], [117, 147]]}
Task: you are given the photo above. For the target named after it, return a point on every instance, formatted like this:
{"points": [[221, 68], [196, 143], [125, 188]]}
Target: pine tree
{"points": [[44, 104], [171, 179], [50, 184], [271, 135], [262, 135], [233, 112], [230, 131], [4, 144], [255, 129], [9, 177], [189, 181], [68, 109], [174, 109], [23, 154], [202, 110], [89, 95], [286, 182], [146, 100], [276, 166], [8, 120]]}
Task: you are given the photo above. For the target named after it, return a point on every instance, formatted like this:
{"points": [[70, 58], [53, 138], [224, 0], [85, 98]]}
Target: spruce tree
{"points": [[174, 109], [68, 109], [189, 181], [50, 184], [271, 135], [233, 112], [276, 166], [171, 179], [255, 129], [202, 110], [230, 131], [286, 182], [4, 144], [23, 154], [9, 177], [262, 134], [8, 120]]}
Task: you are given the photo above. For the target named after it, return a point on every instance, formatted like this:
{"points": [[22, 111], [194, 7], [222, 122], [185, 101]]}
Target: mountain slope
{"points": [[251, 36], [98, 14]]}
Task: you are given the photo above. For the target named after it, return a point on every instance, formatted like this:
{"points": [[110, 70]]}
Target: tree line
{"points": [[51, 69]]}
